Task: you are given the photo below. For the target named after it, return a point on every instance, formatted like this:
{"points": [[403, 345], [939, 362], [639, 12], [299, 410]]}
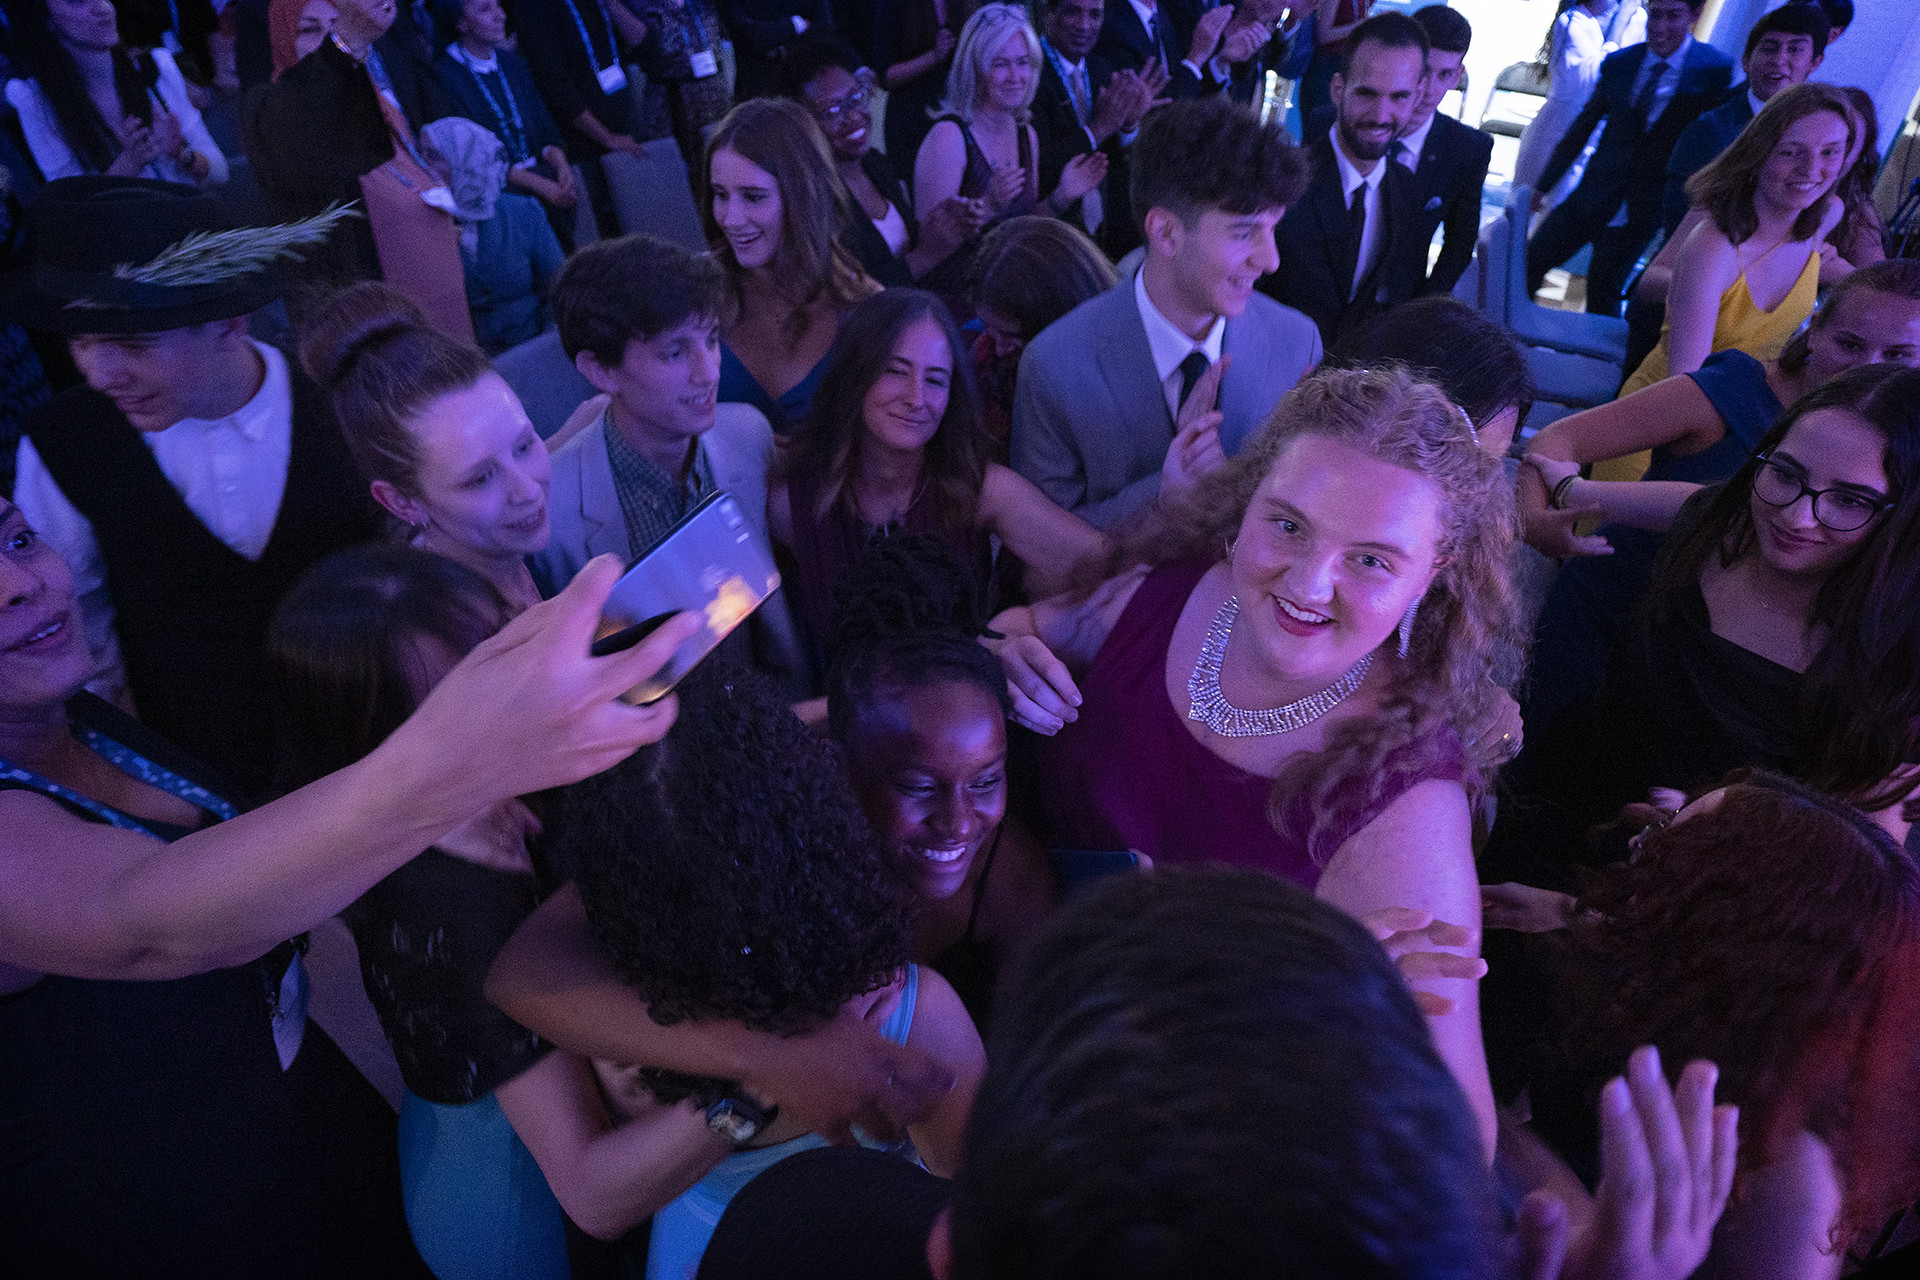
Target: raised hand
{"points": [[1206, 34], [1082, 174], [1045, 698], [1196, 449]]}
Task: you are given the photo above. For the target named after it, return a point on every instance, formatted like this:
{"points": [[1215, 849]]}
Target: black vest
{"points": [[191, 612]]}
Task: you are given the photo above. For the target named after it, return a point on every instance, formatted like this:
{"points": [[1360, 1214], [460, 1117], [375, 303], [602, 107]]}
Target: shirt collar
{"points": [[1351, 177], [251, 420], [487, 65], [1168, 345], [1060, 57], [1678, 57], [1416, 142], [1754, 102], [1146, 12]]}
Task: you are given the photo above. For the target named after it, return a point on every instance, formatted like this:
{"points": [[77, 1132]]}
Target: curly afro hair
{"points": [[908, 616], [728, 871]]}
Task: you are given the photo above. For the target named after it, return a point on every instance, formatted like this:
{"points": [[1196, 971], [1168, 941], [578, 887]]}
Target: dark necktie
{"points": [[1643, 101], [1356, 236], [1191, 368], [1157, 31]]}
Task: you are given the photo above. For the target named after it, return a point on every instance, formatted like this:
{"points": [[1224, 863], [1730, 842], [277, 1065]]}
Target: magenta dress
{"points": [[1128, 774]]}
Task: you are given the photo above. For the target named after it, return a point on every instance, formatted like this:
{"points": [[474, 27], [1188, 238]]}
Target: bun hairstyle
{"points": [[908, 616], [380, 363]]}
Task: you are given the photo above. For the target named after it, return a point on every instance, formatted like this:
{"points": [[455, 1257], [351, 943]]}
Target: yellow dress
{"points": [[1740, 325]]}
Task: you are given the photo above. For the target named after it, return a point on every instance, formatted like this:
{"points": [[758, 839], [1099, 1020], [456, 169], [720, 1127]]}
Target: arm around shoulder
{"points": [[943, 1029]]}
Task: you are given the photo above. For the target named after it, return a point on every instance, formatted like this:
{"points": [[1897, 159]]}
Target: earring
{"points": [[1406, 627], [1230, 543]]}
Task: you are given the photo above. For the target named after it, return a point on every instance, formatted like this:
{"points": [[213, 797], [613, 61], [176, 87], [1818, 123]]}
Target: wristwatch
{"points": [[738, 1120]]}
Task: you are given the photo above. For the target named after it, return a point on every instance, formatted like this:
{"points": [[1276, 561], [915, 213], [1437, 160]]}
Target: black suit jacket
{"points": [[407, 53], [1447, 185], [1061, 135], [1126, 45], [1312, 237], [1629, 165]]}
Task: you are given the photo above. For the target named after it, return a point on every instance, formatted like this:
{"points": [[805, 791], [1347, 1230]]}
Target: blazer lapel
{"points": [[601, 520], [1126, 362]]}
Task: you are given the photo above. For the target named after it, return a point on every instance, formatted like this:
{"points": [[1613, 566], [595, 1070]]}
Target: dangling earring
{"points": [[1406, 627]]}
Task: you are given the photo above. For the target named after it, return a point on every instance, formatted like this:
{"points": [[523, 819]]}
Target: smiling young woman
{"points": [[1300, 681], [895, 443]]}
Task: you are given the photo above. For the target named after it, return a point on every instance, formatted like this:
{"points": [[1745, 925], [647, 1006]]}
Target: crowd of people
{"points": [[1163, 824]]}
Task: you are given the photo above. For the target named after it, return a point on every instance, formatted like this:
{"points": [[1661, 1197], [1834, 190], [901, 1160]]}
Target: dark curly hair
{"points": [[728, 872], [906, 617], [1777, 935], [1209, 153]]}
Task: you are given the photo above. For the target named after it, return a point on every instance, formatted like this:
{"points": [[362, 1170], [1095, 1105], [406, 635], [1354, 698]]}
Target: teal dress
{"points": [[787, 414], [682, 1229]]}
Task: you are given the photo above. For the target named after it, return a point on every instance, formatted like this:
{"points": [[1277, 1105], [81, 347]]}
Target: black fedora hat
{"points": [[134, 255]]}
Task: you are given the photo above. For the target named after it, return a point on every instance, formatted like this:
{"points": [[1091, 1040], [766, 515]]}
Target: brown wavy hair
{"points": [[1467, 635], [780, 136], [1778, 936], [1725, 187]]}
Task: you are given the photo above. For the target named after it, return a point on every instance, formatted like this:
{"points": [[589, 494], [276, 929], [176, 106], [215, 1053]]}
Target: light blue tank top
{"points": [[682, 1229]]}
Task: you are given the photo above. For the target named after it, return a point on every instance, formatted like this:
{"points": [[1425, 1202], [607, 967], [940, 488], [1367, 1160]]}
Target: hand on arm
{"points": [[552, 978], [1410, 937], [1047, 638], [1644, 504], [1051, 542]]}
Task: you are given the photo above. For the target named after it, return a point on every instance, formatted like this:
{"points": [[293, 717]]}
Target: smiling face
{"points": [[1011, 74], [665, 385], [1779, 59], [1806, 162], [930, 769], [839, 103], [1334, 548], [1375, 100], [484, 473], [1213, 261], [316, 20], [1668, 23], [1825, 449], [746, 207], [44, 658], [903, 407], [156, 379], [1859, 327], [1073, 27]]}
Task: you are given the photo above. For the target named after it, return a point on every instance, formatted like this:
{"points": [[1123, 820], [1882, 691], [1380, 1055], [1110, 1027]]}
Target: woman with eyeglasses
{"points": [[1782, 630], [893, 245]]}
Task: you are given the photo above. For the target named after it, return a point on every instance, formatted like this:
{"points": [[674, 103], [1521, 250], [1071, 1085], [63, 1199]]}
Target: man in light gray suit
{"points": [[1156, 381], [660, 443]]}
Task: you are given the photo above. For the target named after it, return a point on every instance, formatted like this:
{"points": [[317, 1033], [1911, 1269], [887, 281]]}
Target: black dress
{"points": [[148, 1129]]}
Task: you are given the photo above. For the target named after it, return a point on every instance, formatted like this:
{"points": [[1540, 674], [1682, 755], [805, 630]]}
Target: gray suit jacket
{"points": [[1090, 421], [587, 521]]}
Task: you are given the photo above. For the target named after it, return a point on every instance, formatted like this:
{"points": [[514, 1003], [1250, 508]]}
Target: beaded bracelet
{"points": [[1557, 499]]}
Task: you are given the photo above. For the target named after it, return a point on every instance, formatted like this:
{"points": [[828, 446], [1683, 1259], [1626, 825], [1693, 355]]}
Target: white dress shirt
{"points": [[1412, 144], [1351, 179], [231, 471], [1170, 346]]}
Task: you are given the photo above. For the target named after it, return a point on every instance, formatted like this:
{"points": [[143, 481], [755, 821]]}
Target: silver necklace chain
{"points": [[1209, 705]]}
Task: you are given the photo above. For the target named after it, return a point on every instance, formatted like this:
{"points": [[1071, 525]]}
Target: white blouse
{"points": [[1581, 44], [58, 160]]}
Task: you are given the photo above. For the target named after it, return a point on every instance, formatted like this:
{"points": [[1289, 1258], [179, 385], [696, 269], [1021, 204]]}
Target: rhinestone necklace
{"points": [[1209, 705]]}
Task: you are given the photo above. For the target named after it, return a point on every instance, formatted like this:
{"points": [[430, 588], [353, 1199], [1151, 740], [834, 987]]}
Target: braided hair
{"points": [[908, 616]]}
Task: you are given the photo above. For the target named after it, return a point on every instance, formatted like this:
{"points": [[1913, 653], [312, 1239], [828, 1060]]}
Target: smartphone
{"points": [[1078, 867], [710, 563]]}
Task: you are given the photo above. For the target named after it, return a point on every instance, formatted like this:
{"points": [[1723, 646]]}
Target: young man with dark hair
{"points": [[1783, 49], [198, 474], [661, 442], [1134, 387], [1211, 1073], [1351, 248], [1647, 96], [1448, 160]]}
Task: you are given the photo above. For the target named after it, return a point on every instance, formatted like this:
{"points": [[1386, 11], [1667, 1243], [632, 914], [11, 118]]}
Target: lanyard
{"points": [[613, 49], [517, 143], [133, 765], [699, 27]]}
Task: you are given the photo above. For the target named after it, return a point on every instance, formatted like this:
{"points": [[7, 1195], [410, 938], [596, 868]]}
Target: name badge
{"points": [[612, 79], [704, 64]]}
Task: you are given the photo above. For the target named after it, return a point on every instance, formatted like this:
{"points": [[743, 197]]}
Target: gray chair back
{"points": [[548, 385]]}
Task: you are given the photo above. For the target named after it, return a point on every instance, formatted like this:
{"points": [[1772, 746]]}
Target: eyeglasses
{"points": [[853, 100], [1841, 510]]}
